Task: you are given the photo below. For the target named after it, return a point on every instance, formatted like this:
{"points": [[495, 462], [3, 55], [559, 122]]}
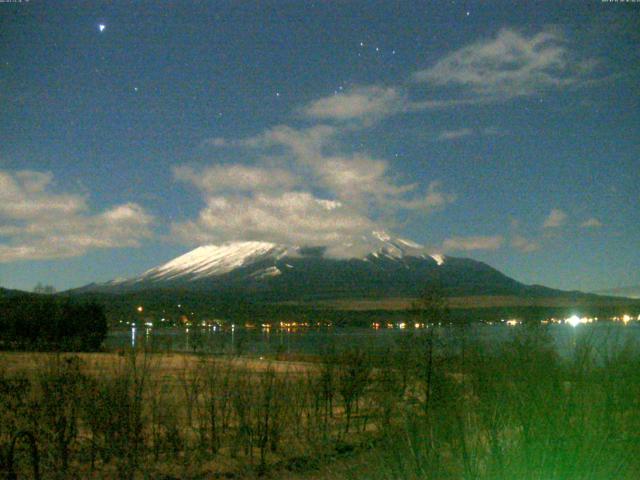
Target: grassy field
{"points": [[465, 411], [479, 301]]}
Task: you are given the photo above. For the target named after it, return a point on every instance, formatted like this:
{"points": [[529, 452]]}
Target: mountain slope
{"points": [[271, 272], [628, 292]]}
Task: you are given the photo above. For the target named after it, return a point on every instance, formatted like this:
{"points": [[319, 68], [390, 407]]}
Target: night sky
{"points": [[131, 133]]}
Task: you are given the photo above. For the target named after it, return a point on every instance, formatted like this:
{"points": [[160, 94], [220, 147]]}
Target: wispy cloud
{"points": [[460, 133], [297, 218], [236, 178], [524, 244], [555, 219], [455, 134], [591, 223], [472, 243], [511, 64], [364, 103], [333, 199], [40, 223]]}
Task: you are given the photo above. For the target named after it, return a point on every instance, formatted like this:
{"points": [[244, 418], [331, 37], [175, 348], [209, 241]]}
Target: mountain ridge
{"points": [[271, 272]]}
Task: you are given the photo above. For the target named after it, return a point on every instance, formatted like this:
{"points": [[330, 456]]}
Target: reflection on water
{"points": [[240, 341]]}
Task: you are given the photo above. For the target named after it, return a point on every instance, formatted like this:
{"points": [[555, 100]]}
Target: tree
{"points": [[46, 322], [432, 308], [44, 289]]}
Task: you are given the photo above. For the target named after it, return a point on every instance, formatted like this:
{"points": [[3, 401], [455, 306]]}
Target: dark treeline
{"points": [[43, 322], [240, 309]]}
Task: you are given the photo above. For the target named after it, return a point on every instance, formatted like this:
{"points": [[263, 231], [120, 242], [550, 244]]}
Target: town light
{"points": [[573, 320]]}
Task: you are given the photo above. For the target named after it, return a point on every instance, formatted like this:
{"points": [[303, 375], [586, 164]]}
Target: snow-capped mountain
{"points": [[252, 272], [393, 267], [213, 260], [261, 260]]}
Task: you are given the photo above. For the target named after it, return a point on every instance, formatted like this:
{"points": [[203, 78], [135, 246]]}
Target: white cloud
{"points": [[472, 243], [39, 223], [357, 179], [236, 178], [555, 219], [365, 103], [305, 144], [510, 65], [524, 244], [455, 134], [591, 223], [333, 199], [24, 195], [297, 218], [434, 198]]}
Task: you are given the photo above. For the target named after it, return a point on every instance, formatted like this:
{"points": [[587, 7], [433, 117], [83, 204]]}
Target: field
{"points": [[479, 302], [425, 409]]}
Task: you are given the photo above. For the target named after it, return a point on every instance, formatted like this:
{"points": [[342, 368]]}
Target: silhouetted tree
{"points": [[432, 309], [44, 289], [45, 322]]}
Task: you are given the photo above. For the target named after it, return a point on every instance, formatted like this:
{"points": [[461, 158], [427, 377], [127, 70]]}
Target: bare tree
{"points": [[432, 308]]}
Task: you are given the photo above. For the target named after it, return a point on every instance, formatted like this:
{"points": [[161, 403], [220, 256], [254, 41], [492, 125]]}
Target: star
{"points": [[468, 13], [102, 27]]}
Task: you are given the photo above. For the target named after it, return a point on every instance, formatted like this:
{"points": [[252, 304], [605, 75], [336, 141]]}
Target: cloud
{"points": [[236, 178], [524, 244], [355, 178], [591, 223], [39, 223], [23, 195], [455, 134], [433, 199], [473, 243], [509, 65], [555, 219], [364, 103], [334, 199], [304, 144], [297, 218]]}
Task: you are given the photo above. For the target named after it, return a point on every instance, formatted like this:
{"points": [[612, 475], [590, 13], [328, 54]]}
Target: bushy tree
{"points": [[48, 323]]}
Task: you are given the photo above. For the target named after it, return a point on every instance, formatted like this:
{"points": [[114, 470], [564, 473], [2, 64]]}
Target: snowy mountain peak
{"points": [[381, 235], [259, 260], [438, 258], [215, 260], [390, 247]]}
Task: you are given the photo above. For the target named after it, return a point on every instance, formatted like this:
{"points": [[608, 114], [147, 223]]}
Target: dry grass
{"points": [[479, 301], [170, 364]]}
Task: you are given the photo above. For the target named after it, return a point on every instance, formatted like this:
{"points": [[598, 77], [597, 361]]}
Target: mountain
{"points": [[393, 268], [628, 292], [6, 293]]}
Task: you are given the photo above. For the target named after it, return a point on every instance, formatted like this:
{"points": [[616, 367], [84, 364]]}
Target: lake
{"points": [[603, 336]]}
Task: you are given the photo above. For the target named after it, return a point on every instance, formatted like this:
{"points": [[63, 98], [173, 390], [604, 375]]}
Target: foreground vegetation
{"points": [[422, 410], [45, 322]]}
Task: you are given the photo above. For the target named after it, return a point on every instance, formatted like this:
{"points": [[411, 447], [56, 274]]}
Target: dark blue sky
{"points": [[507, 134]]}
